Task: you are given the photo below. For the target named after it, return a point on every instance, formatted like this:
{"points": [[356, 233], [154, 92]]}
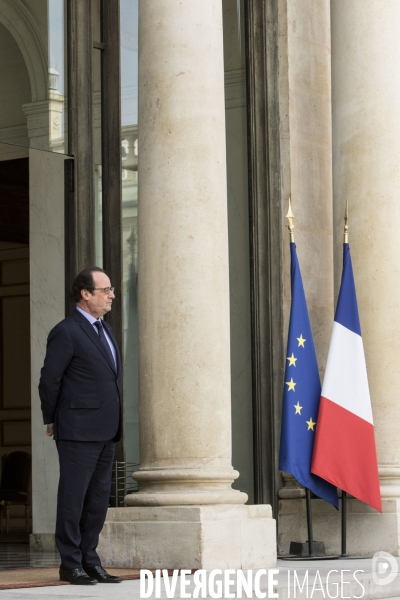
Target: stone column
{"points": [[185, 397], [366, 159], [185, 411], [47, 301]]}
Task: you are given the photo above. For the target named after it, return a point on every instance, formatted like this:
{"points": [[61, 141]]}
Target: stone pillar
{"points": [[185, 412], [47, 300], [366, 158], [185, 398]]}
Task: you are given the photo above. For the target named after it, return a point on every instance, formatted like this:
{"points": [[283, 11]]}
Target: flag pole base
{"points": [[299, 558], [302, 549]]}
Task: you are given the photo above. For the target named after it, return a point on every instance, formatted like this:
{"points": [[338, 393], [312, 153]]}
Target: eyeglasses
{"points": [[106, 290]]}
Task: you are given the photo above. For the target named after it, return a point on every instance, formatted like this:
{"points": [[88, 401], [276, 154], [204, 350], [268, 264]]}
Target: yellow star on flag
{"points": [[301, 340], [298, 408], [292, 360], [291, 384], [310, 424]]}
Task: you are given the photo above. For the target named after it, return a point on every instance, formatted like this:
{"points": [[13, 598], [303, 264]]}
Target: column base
{"points": [[193, 498], [368, 531], [191, 537], [185, 486]]}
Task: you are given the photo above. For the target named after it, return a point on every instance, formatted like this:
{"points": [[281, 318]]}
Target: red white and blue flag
{"points": [[344, 448]]}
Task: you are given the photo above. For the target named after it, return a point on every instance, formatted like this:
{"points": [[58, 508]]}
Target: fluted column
{"points": [[185, 398]]}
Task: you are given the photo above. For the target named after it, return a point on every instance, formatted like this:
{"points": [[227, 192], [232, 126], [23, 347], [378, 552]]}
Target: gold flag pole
{"points": [[344, 494], [346, 227], [290, 217]]}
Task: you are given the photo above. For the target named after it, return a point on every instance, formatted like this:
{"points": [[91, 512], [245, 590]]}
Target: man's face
{"points": [[98, 303]]}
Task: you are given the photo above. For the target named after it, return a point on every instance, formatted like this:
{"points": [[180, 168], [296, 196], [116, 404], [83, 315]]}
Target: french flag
{"points": [[344, 448]]}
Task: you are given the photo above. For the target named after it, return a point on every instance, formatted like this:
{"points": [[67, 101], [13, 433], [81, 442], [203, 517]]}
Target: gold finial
{"points": [[346, 227], [290, 217]]}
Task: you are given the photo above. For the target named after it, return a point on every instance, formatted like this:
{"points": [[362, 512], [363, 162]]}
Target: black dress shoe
{"points": [[76, 577], [101, 575]]}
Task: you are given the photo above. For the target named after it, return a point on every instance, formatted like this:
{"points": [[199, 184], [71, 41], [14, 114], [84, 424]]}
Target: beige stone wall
{"points": [[366, 143], [306, 156]]}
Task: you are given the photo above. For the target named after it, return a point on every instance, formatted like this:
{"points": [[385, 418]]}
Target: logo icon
{"points": [[384, 568]]}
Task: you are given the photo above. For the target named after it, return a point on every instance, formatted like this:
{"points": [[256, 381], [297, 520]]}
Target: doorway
{"points": [[15, 376]]}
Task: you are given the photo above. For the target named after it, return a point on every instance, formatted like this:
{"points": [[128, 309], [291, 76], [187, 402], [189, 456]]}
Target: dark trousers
{"points": [[83, 498]]}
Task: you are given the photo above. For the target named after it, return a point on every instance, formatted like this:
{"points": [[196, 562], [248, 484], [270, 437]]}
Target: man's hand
{"points": [[49, 430]]}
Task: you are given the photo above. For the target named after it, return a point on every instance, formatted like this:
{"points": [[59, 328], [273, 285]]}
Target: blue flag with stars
{"points": [[301, 395]]}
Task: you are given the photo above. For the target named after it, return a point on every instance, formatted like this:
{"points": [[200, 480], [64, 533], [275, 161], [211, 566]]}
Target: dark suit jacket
{"points": [[80, 389]]}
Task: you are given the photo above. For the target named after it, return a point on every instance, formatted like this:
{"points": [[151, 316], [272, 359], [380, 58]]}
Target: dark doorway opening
{"points": [[15, 377]]}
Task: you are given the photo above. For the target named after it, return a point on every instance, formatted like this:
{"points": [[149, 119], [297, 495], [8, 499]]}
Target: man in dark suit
{"points": [[80, 390]]}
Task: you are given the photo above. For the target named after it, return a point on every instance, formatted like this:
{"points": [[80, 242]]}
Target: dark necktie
{"points": [[99, 326]]}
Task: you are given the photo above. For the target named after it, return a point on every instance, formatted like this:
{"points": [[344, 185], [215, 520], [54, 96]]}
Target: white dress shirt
{"points": [[92, 320]]}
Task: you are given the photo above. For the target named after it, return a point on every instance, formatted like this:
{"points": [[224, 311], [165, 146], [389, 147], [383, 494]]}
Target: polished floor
{"points": [[15, 554], [19, 556]]}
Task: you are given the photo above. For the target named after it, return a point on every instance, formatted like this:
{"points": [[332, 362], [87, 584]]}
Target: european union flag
{"points": [[301, 395]]}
